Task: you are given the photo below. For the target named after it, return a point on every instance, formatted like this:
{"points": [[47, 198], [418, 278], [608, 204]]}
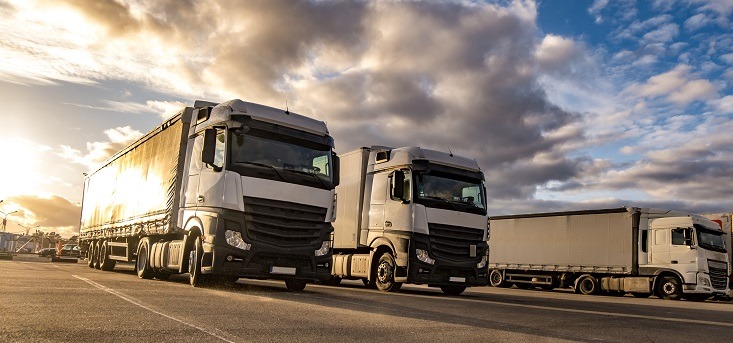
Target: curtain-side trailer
{"points": [[218, 191], [637, 250]]}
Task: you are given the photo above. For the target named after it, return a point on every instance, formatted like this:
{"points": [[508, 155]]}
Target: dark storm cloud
{"points": [[440, 75]]}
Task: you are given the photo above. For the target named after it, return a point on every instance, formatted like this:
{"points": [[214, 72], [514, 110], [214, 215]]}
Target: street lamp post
{"points": [[5, 218]]}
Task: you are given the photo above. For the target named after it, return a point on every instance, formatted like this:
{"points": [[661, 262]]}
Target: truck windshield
{"points": [[711, 240], [453, 192], [282, 159]]}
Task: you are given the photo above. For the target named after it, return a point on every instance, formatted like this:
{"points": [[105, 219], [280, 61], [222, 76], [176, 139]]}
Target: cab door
{"points": [[659, 252], [211, 180], [398, 208]]}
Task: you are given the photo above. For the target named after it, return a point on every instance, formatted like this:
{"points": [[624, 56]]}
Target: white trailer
{"points": [[638, 250], [218, 191], [410, 215]]}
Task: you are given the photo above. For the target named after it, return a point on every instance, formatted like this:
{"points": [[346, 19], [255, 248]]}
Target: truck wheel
{"points": [[90, 255], [106, 263], [496, 278], [669, 288], [195, 277], [385, 274], [98, 255], [452, 290], [641, 295], [142, 264], [587, 285], [295, 285]]}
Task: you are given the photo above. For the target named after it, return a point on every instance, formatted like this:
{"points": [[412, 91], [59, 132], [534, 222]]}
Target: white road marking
{"points": [[123, 297], [548, 308]]}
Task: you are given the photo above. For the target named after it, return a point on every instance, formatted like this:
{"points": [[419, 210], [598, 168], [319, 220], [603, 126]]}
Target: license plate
{"points": [[282, 270], [457, 279]]}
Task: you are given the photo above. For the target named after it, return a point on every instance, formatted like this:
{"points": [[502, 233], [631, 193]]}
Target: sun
{"points": [[20, 162]]}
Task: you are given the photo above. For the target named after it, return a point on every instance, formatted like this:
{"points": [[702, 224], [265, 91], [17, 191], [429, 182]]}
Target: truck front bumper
{"points": [[269, 263], [444, 274]]}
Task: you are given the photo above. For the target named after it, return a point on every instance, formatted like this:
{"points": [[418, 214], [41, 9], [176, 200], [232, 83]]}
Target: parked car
{"points": [[70, 250], [48, 252]]}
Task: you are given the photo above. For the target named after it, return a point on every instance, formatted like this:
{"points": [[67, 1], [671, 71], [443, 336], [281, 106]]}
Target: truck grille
{"points": [[718, 274], [284, 224], [453, 242]]}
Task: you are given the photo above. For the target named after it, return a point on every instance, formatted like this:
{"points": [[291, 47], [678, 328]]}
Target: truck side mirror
{"points": [[398, 185], [336, 169], [208, 154]]}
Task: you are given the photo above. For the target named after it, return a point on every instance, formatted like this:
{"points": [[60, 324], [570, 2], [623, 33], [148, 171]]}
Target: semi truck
{"points": [[725, 220], [641, 251], [410, 215], [218, 191]]}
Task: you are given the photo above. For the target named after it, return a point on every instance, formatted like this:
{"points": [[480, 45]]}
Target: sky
{"points": [[564, 104]]}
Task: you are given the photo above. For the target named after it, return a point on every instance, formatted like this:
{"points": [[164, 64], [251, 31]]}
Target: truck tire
{"points": [[97, 255], [142, 263], [452, 289], [295, 285], [90, 255], [195, 277], [384, 277], [106, 263], [587, 285], [496, 279], [669, 288]]}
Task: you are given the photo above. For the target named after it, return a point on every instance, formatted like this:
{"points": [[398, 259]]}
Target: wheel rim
{"points": [[587, 286], [669, 288], [384, 272], [495, 278]]}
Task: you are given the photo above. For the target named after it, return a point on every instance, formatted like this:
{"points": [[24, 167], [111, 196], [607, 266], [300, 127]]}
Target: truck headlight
{"points": [[422, 255], [325, 247], [234, 238], [704, 281], [483, 262]]}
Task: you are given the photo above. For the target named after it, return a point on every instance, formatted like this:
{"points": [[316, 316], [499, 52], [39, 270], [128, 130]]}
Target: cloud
{"points": [[663, 34], [98, 152], [722, 7], [52, 212], [596, 8], [697, 22], [678, 86]]}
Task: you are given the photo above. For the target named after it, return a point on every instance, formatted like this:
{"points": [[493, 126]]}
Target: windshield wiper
{"points": [[309, 173], [450, 203], [265, 166]]}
